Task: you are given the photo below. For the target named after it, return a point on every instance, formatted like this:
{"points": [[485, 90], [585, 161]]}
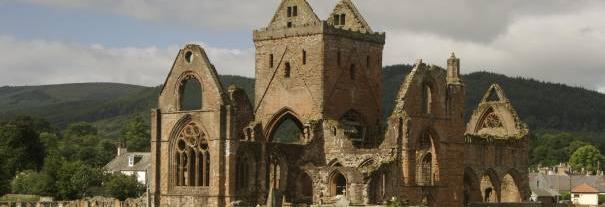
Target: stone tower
{"points": [[318, 69]]}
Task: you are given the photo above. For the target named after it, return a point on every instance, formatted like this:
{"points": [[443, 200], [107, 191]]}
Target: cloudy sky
{"points": [[135, 41]]}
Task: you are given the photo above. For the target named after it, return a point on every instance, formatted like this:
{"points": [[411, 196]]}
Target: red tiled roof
{"points": [[584, 188]]}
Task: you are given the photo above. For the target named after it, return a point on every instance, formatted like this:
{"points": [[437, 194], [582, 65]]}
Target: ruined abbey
{"points": [[315, 132]]}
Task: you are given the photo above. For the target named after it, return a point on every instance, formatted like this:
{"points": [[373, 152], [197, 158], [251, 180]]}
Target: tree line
{"points": [[40, 160]]}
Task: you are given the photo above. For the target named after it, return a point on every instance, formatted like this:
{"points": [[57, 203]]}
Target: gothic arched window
{"points": [[427, 99], [191, 157], [426, 170], [288, 130], [190, 94], [425, 163]]}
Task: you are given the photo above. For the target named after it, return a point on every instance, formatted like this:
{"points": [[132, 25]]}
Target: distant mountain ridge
{"points": [[544, 106]]}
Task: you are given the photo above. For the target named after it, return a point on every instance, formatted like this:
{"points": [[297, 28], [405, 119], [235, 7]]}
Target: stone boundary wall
{"points": [[86, 202], [535, 204]]}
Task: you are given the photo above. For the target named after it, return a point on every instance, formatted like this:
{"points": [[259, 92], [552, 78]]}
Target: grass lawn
{"points": [[19, 197]]}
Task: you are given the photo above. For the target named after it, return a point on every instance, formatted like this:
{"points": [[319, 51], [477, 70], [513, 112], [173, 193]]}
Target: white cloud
{"points": [[48, 62], [478, 20], [559, 41], [560, 48]]}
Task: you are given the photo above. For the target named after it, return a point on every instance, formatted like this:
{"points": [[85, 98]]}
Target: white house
{"points": [[131, 163], [585, 194]]}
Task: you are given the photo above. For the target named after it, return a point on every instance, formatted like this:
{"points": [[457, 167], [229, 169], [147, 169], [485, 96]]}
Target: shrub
{"points": [[122, 186]]}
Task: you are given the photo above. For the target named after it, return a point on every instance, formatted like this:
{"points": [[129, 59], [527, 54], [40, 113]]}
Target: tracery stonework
{"points": [[191, 157], [316, 133], [491, 121]]}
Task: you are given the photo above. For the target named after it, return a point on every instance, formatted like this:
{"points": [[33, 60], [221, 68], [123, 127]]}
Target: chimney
{"points": [[122, 150]]}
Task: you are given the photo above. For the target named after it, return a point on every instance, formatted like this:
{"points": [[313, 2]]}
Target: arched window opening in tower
{"points": [[191, 157], [288, 130], [190, 94], [352, 71]]}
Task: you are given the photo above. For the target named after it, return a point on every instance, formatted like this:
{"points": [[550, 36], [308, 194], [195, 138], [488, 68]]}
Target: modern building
{"points": [[586, 195], [131, 163]]}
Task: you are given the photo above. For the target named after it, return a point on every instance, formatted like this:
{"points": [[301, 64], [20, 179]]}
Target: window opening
{"points": [[287, 70], [190, 94]]}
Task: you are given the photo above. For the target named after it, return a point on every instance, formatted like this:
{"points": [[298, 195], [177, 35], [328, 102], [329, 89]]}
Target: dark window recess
{"points": [[191, 94], [295, 11], [368, 61], [342, 19], [338, 58], [271, 60], [336, 19], [189, 56], [427, 100], [289, 11], [304, 57], [288, 130], [289, 24], [353, 126], [287, 70], [352, 71]]}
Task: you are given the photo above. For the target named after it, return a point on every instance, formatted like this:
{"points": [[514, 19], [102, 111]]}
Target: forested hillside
{"points": [[544, 106]]}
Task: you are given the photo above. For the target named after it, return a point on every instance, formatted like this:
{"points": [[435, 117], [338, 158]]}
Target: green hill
{"points": [[544, 106]]}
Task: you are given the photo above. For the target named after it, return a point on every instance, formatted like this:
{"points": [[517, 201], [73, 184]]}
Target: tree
{"points": [[4, 180], [552, 148], [575, 144], [76, 179], [37, 124], [31, 182], [20, 147], [136, 135], [82, 143], [586, 158], [80, 129], [50, 141], [122, 186]]}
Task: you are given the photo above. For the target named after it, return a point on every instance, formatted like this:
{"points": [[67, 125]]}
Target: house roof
{"points": [[541, 192], [561, 183], [120, 162], [540, 187], [584, 188]]}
